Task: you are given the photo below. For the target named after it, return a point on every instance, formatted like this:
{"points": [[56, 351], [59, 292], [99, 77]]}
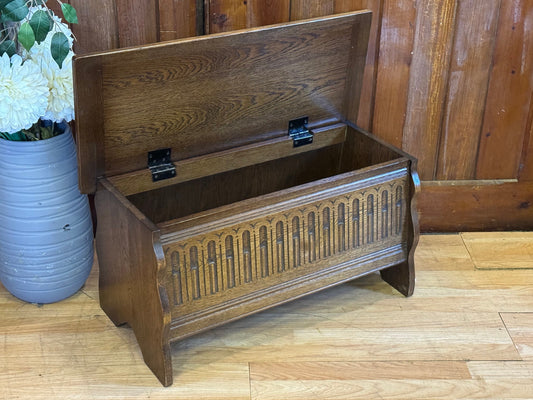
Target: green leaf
{"points": [[3, 3], [26, 37], [15, 11], [41, 24], [9, 47], [46, 132], [17, 136], [59, 48], [69, 13]]}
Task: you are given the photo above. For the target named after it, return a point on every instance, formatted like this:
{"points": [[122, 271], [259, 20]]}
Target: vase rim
{"points": [[41, 142]]}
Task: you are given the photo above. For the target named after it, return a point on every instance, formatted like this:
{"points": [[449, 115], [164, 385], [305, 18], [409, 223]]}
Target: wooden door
{"points": [[449, 81]]}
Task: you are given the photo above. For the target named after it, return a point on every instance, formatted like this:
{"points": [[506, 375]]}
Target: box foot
{"points": [[158, 358], [401, 277]]}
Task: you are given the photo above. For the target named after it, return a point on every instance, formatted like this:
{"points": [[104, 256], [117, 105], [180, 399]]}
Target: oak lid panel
{"points": [[211, 93]]}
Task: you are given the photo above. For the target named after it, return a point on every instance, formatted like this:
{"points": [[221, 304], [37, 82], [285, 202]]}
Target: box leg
{"points": [[401, 277], [156, 355]]}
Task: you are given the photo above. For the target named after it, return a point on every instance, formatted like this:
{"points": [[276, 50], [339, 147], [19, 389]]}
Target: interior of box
{"points": [[213, 191]]}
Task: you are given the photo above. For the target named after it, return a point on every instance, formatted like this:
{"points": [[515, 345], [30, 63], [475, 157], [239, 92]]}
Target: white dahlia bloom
{"points": [[23, 91], [60, 84], [61, 90]]}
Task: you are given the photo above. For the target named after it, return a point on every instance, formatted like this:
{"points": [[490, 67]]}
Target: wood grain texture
{"points": [[525, 172], [88, 102], [138, 22], [226, 105], [427, 89], [408, 348], [178, 18], [402, 276], [226, 15], [509, 95], [302, 9], [354, 89], [266, 12], [392, 80], [467, 88], [520, 327], [254, 263], [342, 6], [231, 159], [95, 36], [316, 8], [131, 280], [515, 251], [476, 205], [212, 191], [366, 105], [339, 371]]}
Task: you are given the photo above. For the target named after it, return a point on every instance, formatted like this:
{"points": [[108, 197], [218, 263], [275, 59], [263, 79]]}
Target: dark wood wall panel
{"points": [[525, 172], [227, 15], [178, 19], [449, 81], [428, 82], [93, 36], [366, 105], [301, 9], [511, 85], [268, 12], [138, 22], [471, 205], [467, 88], [395, 57]]}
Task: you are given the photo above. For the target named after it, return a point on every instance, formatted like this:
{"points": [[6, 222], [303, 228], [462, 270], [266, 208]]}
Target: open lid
{"points": [[210, 93]]}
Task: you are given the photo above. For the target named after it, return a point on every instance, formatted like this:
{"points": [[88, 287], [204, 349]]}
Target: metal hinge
{"points": [[160, 165], [299, 132]]}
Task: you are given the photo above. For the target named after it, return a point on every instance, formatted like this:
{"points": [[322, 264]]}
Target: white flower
{"points": [[23, 93], [61, 94]]}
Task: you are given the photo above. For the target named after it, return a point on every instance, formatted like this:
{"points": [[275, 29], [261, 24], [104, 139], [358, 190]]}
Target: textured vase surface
{"points": [[46, 236]]}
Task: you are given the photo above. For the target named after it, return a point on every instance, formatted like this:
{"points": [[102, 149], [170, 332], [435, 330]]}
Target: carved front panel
{"points": [[231, 262]]}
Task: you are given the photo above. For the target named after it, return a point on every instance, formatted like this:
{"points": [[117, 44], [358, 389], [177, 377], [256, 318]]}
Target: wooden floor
{"points": [[467, 333]]}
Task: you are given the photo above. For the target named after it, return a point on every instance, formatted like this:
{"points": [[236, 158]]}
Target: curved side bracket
{"points": [[402, 276]]}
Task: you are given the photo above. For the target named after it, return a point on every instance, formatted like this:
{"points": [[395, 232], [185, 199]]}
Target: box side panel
{"points": [[222, 274], [132, 269]]}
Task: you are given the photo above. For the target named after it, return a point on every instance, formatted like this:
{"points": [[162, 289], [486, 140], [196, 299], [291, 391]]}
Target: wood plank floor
{"points": [[466, 333]]}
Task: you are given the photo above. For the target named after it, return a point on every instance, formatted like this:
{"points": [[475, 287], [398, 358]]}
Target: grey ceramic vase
{"points": [[46, 236]]}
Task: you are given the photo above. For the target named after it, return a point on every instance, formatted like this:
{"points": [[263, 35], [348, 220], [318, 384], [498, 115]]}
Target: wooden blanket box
{"points": [[230, 177]]}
